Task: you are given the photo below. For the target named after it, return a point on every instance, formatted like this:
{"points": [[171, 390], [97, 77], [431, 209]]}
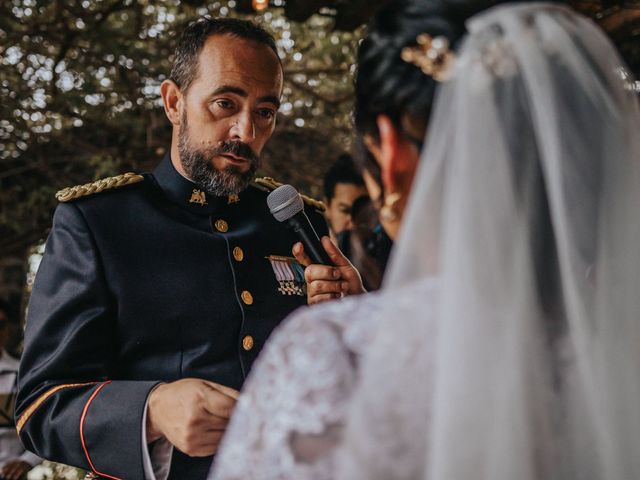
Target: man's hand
{"points": [[15, 470], [192, 414], [324, 282]]}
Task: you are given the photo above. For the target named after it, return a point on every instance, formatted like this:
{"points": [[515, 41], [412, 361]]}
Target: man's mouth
{"points": [[234, 158]]}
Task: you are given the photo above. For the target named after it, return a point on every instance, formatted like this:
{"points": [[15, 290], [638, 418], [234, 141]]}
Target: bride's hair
{"points": [[386, 84]]}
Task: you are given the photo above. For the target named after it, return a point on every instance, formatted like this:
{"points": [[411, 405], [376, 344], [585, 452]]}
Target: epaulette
{"points": [[71, 193], [269, 184]]}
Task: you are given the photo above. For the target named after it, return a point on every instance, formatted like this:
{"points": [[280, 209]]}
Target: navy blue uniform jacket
{"points": [[142, 284]]}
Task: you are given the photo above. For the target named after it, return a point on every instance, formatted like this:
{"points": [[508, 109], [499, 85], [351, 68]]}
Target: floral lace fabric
{"points": [[387, 425], [291, 414]]}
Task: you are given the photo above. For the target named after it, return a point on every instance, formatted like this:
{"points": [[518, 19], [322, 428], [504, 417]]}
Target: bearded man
{"points": [[157, 291]]}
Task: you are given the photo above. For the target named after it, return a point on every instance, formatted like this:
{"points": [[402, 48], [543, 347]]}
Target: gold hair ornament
{"points": [[432, 55]]}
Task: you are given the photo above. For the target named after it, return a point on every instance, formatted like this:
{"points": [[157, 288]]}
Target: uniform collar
{"points": [[186, 193]]}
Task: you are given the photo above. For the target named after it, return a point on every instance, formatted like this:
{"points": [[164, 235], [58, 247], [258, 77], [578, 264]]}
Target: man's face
{"points": [[339, 207], [229, 113]]}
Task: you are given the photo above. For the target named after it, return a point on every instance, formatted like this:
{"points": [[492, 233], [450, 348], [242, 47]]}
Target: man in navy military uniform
{"points": [[157, 291]]}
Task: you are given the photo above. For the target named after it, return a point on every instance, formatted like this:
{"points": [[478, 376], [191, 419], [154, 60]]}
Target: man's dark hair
{"points": [[342, 171], [185, 63]]}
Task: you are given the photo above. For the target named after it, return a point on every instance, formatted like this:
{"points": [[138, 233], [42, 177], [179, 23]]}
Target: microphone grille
{"points": [[284, 202]]}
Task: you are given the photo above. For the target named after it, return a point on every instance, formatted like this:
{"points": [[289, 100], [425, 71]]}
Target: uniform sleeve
{"points": [[68, 408]]}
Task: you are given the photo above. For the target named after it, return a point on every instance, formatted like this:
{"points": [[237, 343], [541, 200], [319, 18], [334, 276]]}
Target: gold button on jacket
{"points": [[247, 298], [238, 254], [221, 225], [247, 342]]}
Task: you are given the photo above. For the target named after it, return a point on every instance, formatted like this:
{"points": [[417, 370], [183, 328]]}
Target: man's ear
{"points": [[173, 100]]}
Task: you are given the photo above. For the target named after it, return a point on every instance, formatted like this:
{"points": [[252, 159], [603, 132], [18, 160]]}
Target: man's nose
{"points": [[243, 128], [348, 225]]}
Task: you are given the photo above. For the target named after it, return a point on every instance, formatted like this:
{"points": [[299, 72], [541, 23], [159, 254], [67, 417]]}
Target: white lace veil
{"points": [[526, 207]]}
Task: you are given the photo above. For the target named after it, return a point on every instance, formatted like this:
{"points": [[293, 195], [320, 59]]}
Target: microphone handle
{"points": [[309, 238]]}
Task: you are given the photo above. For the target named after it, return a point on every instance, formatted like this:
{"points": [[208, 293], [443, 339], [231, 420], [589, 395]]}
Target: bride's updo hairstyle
{"points": [[385, 83]]}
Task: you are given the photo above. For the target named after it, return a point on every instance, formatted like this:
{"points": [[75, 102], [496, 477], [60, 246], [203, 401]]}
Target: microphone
{"points": [[286, 205]]}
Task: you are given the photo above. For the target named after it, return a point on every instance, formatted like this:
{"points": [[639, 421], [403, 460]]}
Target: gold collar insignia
{"points": [[198, 196]]}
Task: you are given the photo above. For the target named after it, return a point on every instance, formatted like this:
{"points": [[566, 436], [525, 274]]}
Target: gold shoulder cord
{"points": [[71, 193], [271, 184]]}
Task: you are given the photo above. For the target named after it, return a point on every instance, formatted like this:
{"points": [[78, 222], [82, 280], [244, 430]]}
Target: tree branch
{"points": [[316, 71], [331, 101]]}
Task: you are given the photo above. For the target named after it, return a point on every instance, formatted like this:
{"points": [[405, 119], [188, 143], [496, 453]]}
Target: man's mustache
{"points": [[237, 149]]}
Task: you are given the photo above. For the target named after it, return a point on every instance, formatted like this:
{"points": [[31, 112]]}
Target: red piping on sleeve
{"points": [[84, 446]]}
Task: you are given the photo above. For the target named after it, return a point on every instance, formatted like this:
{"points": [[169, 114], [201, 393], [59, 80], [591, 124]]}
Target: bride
{"points": [[504, 344]]}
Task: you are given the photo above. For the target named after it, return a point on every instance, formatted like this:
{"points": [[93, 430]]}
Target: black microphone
{"points": [[286, 205]]}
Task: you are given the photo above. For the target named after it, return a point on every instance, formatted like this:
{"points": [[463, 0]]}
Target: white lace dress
{"points": [[289, 420]]}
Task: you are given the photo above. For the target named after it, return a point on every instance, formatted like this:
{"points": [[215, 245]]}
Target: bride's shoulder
{"points": [[341, 314], [352, 322], [328, 323]]}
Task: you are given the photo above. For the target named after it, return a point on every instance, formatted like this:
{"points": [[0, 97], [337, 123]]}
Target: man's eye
{"points": [[266, 113], [226, 104]]}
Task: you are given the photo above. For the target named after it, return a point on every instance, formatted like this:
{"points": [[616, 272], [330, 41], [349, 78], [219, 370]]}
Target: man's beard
{"points": [[199, 167]]}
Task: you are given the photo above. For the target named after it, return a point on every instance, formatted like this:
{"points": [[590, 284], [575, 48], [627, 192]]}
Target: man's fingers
{"points": [[325, 297], [336, 256], [314, 273], [202, 445], [210, 421], [218, 404], [228, 391], [15, 474], [302, 258], [319, 287], [14, 470], [323, 283]]}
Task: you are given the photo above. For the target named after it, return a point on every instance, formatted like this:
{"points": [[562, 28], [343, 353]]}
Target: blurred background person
{"points": [[353, 218], [342, 185], [366, 244], [15, 461]]}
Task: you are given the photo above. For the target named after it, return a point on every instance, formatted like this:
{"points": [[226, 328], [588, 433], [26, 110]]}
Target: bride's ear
{"points": [[392, 154]]}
